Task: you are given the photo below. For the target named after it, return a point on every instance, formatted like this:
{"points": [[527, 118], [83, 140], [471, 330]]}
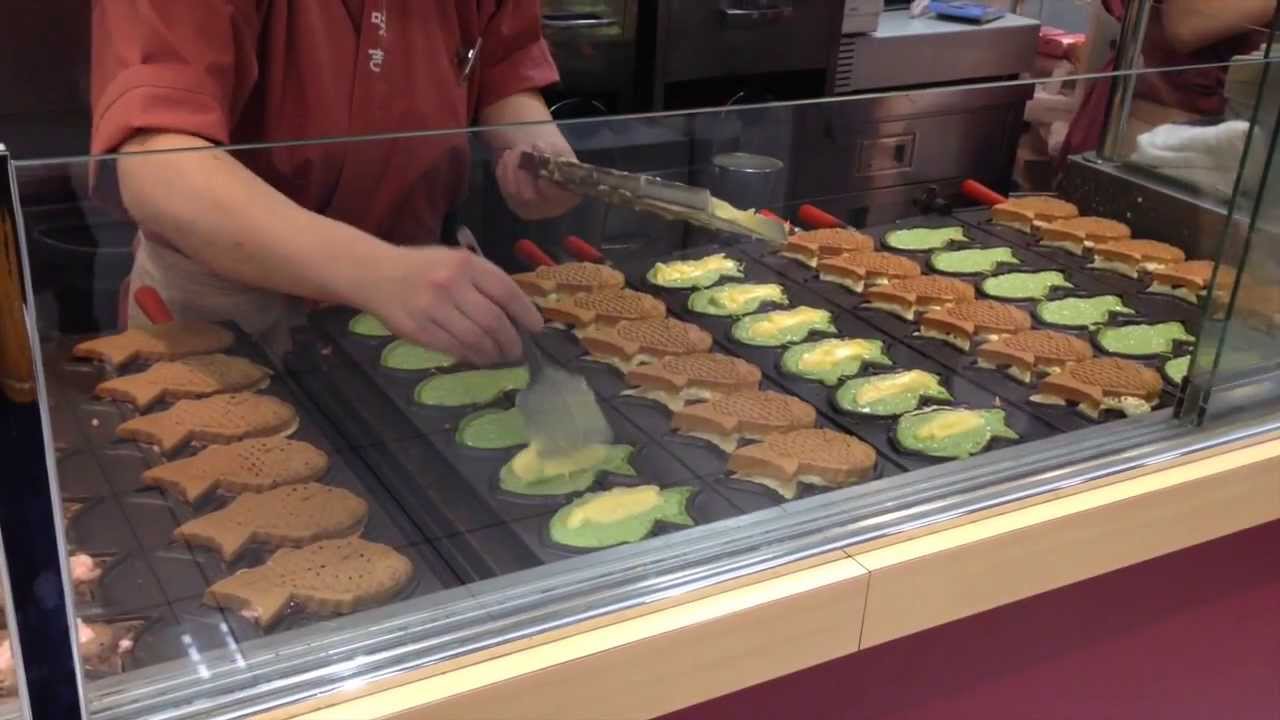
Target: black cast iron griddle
{"points": [[482, 530], [875, 431], [473, 518], [152, 578], [1151, 308]]}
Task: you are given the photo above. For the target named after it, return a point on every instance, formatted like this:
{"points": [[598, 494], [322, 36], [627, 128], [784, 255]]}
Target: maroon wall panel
{"points": [[1189, 636]]}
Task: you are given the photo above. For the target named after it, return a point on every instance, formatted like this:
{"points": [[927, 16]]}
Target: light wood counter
{"points": [[657, 660]]}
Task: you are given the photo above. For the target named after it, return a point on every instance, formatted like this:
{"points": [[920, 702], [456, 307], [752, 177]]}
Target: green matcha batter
{"points": [[493, 429], [924, 239], [893, 394], [781, 327], [368, 325], [1140, 340], [530, 473], [617, 516], [736, 298], [827, 361], [470, 387], [1177, 368], [976, 261], [950, 432], [1024, 285], [1082, 312], [404, 355]]}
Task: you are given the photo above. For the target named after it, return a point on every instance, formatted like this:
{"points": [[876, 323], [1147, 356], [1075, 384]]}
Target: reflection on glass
{"points": [[326, 479], [1187, 123]]}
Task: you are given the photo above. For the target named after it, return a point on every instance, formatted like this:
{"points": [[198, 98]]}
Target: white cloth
{"points": [[194, 293], [1208, 157]]}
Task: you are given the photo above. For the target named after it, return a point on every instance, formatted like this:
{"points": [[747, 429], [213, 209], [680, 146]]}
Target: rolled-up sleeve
{"points": [[515, 56], [171, 66]]}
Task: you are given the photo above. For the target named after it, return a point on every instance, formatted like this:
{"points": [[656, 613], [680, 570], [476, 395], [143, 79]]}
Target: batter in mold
{"points": [[892, 394], [827, 361], [531, 472], [470, 387], [620, 515], [951, 433]]}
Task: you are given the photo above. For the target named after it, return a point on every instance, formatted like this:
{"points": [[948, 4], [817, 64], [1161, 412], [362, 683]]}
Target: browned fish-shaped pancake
{"points": [[960, 324], [751, 414], [194, 377], [607, 307], [858, 270], [910, 296], [568, 279], [169, 341], [811, 246], [1032, 351], [220, 419], [247, 466], [1077, 234], [632, 341], [328, 577], [1024, 213], [1186, 280], [1103, 383], [813, 455], [288, 516], [1128, 257], [699, 376]]}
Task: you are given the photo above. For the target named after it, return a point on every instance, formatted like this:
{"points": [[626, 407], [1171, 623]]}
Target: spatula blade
{"points": [[561, 412]]}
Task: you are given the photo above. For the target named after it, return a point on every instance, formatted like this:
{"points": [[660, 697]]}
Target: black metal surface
{"points": [[481, 529], [147, 574]]}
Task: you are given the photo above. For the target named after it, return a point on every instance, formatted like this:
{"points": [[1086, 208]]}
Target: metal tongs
{"points": [[671, 200]]}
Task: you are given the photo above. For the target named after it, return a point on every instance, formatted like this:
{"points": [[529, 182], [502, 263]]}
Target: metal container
{"points": [[747, 181]]}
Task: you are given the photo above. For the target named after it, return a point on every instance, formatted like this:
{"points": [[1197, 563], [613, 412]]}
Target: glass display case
{"points": [[217, 569]]}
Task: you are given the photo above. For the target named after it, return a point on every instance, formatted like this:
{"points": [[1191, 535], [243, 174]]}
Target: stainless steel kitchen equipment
{"points": [[594, 45], [706, 52], [885, 154], [914, 52], [747, 180]]}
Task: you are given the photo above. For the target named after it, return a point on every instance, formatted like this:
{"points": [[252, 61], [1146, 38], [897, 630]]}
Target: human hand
{"points": [[529, 196], [454, 301]]}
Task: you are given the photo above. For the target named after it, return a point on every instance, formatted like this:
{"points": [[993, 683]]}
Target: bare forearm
{"points": [[525, 107], [1193, 24], [218, 212]]}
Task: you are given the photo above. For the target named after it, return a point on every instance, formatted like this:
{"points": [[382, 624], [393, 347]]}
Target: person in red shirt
{"points": [[1198, 36], [244, 233]]}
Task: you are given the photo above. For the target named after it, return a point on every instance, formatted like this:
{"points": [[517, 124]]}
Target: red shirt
{"points": [[250, 71], [1201, 90]]}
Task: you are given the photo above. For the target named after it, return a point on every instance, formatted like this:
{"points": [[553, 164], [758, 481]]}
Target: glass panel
{"points": [[1235, 364], [465, 535]]}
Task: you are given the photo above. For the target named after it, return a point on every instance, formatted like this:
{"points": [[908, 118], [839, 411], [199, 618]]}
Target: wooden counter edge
{"points": [[963, 570], [899, 588]]}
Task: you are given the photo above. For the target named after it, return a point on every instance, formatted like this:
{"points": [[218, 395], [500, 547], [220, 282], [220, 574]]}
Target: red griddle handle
{"points": [[814, 218], [771, 215], [152, 305], [531, 255], [582, 250], [980, 193]]}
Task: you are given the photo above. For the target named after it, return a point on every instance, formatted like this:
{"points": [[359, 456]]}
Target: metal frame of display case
{"points": [[40, 613], [454, 623]]}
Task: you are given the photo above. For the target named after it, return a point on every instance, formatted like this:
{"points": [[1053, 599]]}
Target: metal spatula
{"points": [[560, 411]]}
